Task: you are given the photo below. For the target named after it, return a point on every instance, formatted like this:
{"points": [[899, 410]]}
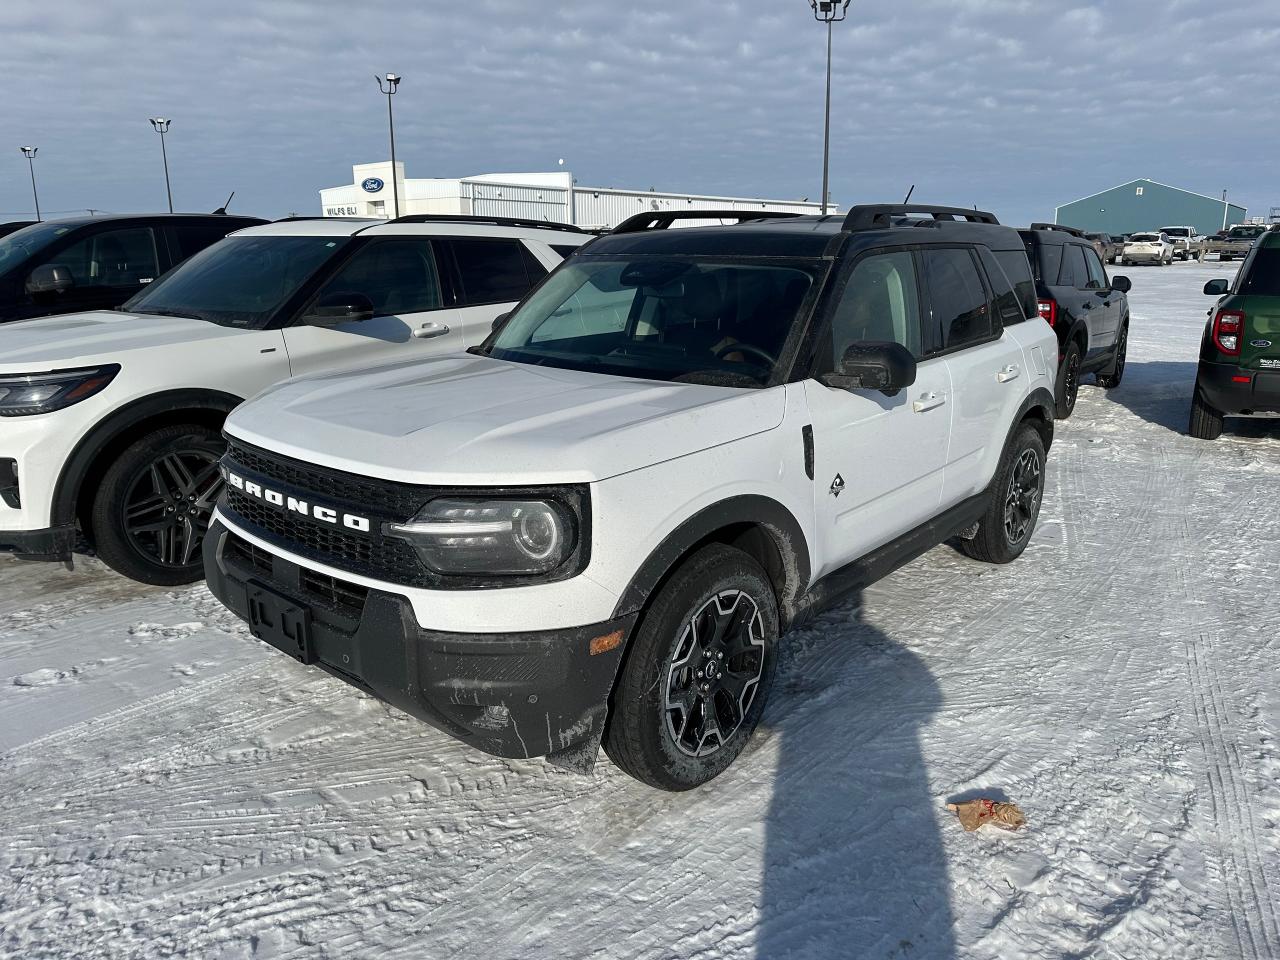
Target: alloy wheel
{"points": [[1022, 499], [1121, 350], [1071, 381], [715, 673], [169, 504]]}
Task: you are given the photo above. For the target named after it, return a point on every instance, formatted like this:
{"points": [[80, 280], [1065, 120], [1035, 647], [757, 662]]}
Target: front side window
{"points": [[111, 258], [692, 321], [492, 271], [959, 300], [238, 282], [1097, 275], [879, 303], [398, 277]]}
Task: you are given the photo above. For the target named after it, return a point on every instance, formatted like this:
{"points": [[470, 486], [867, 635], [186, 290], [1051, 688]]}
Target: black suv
{"points": [[1088, 311], [95, 263]]}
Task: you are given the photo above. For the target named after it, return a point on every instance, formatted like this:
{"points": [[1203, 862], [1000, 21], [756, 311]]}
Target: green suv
{"points": [[1239, 373]]}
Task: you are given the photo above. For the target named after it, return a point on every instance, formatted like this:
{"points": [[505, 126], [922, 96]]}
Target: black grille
{"points": [[335, 592]]}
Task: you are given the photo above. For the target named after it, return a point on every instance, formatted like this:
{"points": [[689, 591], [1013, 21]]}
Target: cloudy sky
{"points": [[1014, 105]]}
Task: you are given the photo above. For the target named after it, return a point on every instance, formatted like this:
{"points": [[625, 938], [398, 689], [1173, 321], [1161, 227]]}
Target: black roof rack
{"points": [[662, 219], [872, 216], [496, 221], [319, 217], [1057, 226]]}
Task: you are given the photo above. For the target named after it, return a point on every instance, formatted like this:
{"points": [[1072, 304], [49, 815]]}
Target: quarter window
{"points": [[1073, 273], [1007, 303], [1018, 270], [881, 303], [112, 258], [960, 308], [398, 277], [492, 271]]}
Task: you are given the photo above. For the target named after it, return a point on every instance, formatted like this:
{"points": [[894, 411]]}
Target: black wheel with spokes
{"points": [[1068, 387], [154, 504], [1014, 506], [1112, 379], [698, 672]]}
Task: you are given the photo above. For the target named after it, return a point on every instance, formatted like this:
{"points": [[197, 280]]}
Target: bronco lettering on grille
{"points": [[328, 515]]}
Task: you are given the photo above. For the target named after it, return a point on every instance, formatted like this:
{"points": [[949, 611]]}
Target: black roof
{"points": [[805, 237], [107, 217]]}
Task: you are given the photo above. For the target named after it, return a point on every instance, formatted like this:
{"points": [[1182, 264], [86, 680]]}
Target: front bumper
{"points": [[1259, 393], [51, 543], [509, 694]]}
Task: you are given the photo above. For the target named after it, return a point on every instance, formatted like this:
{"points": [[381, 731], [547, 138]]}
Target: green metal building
{"points": [[1147, 205]]}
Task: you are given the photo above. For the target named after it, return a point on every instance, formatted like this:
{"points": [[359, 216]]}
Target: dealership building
{"points": [[1147, 205], [554, 197]]}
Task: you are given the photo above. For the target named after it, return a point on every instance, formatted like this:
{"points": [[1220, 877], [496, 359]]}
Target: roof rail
{"points": [[871, 216], [496, 221], [1057, 226], [319, 217], [662, 219]]}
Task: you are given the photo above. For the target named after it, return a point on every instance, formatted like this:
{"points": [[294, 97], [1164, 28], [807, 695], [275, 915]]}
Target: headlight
{"points": [[497, 537], [22, 395]]}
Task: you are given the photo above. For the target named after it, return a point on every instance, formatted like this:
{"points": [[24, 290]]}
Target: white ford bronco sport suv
{"points": [[111, 420], [599, 523]]}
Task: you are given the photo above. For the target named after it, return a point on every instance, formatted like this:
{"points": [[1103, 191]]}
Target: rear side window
{"points": [[958, 299], [1073, 272], [1018, 270], [1007, 302], [492, 271], [1264, 276]]}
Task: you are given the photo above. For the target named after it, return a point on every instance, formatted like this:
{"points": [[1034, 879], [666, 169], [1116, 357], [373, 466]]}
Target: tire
{"points": [[152, 508], [649, 735], [1067, 389], [1016, 494], [1206, 422], [1112, 380], [1223, 258]]}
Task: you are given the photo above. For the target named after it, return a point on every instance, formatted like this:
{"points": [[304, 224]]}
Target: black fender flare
{"points": [[66, 493], [761, 512], [1038, 399]]}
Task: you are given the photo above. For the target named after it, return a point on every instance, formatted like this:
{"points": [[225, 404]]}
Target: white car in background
{"points": [[1187, 244], [1154, 248], [111, 421]]}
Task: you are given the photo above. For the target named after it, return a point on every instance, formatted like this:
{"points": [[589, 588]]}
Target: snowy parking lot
{"points": [[171, 786]]}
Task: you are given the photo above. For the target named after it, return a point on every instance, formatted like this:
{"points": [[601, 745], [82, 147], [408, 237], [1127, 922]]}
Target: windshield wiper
{"points": [[168, 313]]}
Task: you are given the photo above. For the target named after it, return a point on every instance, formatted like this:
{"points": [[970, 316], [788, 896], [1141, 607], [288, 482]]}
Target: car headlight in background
{"points": [[25, 394], [493, 537]]}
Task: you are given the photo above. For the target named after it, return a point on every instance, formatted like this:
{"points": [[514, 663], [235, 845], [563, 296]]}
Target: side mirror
{"points": [[499, 320], [50, 278], [873, 365], [1123, 284], [1216, 288], [336, 308]]}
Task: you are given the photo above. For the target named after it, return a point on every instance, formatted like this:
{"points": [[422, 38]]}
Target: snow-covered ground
{"points": [[168, 785]]}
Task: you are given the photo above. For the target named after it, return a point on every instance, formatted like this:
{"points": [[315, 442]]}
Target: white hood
{"points": [[474, 420], [103, 336]]}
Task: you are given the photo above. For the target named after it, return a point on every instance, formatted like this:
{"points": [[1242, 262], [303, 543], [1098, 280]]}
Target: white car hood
{"points": [[103, 336], [474, 420]]}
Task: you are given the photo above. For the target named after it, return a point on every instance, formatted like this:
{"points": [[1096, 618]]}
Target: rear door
{"points": [[878, 460], [986, 366], [401, 277]]}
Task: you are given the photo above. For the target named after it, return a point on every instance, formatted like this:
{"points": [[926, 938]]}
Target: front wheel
{"points": [[1016, 493], [1068, 387], [1206, 422], [154, 504], [697, 674], [1112, 380]]}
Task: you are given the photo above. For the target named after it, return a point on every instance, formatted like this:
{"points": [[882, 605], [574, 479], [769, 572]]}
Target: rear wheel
{"points": [[1016, 493], [697, 674], [1206, 422], [1068, 381], [154, 503], [1112, 380]]}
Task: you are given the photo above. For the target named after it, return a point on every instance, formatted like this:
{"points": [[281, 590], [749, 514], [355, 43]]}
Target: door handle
{"points": [[1008, 373], [429, 330], [928, 401], [1088, 305]]}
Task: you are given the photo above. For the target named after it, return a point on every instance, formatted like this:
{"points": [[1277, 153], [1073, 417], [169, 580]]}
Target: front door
{"points": [[107, 267], [878, 460]]}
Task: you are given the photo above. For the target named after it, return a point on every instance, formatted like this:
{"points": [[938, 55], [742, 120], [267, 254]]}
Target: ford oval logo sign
{"points": [[1261, 344], [372, 185]]}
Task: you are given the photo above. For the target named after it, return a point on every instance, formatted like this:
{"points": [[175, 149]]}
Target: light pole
{"points": [[828, 12], [393, 81], [30, 154], [1226, 210], [161, 125]]}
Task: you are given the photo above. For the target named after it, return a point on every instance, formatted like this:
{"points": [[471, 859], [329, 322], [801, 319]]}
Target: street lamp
{"points": [[393, 81], [161, 125], [30, 154], [828, 12]]}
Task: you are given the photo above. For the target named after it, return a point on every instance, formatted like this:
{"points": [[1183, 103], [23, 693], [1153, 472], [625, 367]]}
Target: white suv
{"points": [[599, 523], [111, 421]]}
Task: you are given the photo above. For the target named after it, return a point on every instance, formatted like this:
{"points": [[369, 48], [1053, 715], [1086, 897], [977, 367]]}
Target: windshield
{"points": [[1237, 233], [691, 321], [1144, 238], [17, 247], [1176, 231], [239, 281]]}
